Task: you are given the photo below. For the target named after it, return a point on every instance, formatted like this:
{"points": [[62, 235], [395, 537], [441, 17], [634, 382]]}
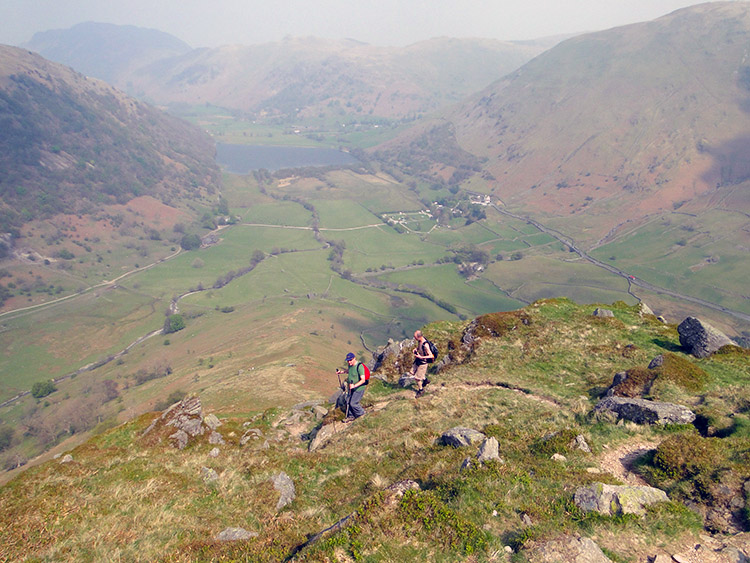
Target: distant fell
{"points": [[293, 78], [103, 50], [70, 142]]}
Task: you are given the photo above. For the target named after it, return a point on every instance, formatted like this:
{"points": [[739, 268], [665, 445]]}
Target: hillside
{"points": [[295, 79], [630, 142], [250, 484], [71, 144]]}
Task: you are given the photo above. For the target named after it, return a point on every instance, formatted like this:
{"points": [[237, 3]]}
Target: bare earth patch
{"points": [[619, 461]]}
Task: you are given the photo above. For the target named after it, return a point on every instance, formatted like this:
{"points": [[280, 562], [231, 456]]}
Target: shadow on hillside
{"points": [[667, 345], [731, 162]]}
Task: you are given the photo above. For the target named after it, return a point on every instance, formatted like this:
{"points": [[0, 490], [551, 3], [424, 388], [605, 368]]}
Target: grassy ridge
{"points": [[536, 379]]}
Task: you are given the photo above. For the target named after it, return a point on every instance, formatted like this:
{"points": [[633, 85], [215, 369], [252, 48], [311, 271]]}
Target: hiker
{"points": [[354, 388], [423, 356]]}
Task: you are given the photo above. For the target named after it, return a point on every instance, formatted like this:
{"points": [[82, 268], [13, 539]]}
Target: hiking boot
{"points": [[419, 393], [349, 419], [425, 383]]}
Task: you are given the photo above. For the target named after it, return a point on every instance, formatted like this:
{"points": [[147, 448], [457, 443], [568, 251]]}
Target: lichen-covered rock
{"points": [[568, 549], [489, 450], [603, 313], [459, 437], [612, 500], [212, 421], [700, 338], [284, 484], [208, 474], [235, 534], [322, 436], [215, 438], [643, 411]]}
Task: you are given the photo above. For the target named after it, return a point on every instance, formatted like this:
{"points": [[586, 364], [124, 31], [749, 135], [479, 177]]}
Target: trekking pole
{"points": [[348, 400]]}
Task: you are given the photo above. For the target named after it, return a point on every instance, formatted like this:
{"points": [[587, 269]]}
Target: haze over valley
{"points": [[532, 179]]}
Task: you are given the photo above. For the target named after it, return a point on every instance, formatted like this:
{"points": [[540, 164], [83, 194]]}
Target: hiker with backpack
{"points": [[358, 376], [423, 356]]}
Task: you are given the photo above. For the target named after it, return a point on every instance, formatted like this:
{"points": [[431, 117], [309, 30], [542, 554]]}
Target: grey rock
{"points": [[644, 309], [568, 549], [642, 411], [320, 412], [467, 463], [579, 443], [526, 519], [603, 313], [612, 500], [406, 380], [459, 437], [284, 484], [67, 458], [212, 421], [489, 450], [208, 474], [215, 438], [250, 434], [214, 453], [700, 338], [323, 435], [306, 405], [657, 362], [179, 439], [558, 457], [235, 534]]}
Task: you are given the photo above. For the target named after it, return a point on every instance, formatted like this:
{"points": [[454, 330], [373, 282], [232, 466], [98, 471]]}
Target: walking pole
{"points": [[348, 399]]}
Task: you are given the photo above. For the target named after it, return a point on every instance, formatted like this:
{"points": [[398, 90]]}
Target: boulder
{"points": [[570, 549], [322, 436], [644, 309], [700, 338], [284, 484], [67, 458], [459, 437], [489, 450], [613, 500], [214, 453], [643, 411], [580, 443], [208, 474], [603, 313], [235, 534], [212, 421]]}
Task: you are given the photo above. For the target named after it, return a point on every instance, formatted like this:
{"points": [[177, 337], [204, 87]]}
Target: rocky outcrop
{"points": [[459, 437], [613, 500], [323, 434], [186, 420], [700, 338], [643, 411], [570, 549]]}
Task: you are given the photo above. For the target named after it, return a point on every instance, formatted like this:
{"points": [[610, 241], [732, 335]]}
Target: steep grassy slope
{"points": [[630, 141], [71, 144], [129, 497]]}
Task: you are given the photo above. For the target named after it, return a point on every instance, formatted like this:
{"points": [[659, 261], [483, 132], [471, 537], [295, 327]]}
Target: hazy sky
{"points": [[204, 23]]}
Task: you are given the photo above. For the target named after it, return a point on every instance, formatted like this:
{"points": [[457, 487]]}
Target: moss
{"points": [[637, 383], [685, 455], [683, 372], [732, 350], [500, 324], [557, 443]]}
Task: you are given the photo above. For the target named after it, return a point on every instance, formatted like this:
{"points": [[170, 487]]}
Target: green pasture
{"points": [[446, 284], [343, 213], [278, 213], [537, 277], [58, 340], [469, 234], [371, 248]]}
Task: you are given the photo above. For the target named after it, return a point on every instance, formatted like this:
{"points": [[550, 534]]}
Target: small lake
{"points": [[243, 159]]}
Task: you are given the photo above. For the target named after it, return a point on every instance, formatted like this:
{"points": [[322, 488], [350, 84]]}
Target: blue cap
{"points": [[349, 356]]}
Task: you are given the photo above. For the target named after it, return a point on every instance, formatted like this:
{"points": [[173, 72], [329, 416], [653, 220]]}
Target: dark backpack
{"points": [[367, 372], [434, 351]]}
